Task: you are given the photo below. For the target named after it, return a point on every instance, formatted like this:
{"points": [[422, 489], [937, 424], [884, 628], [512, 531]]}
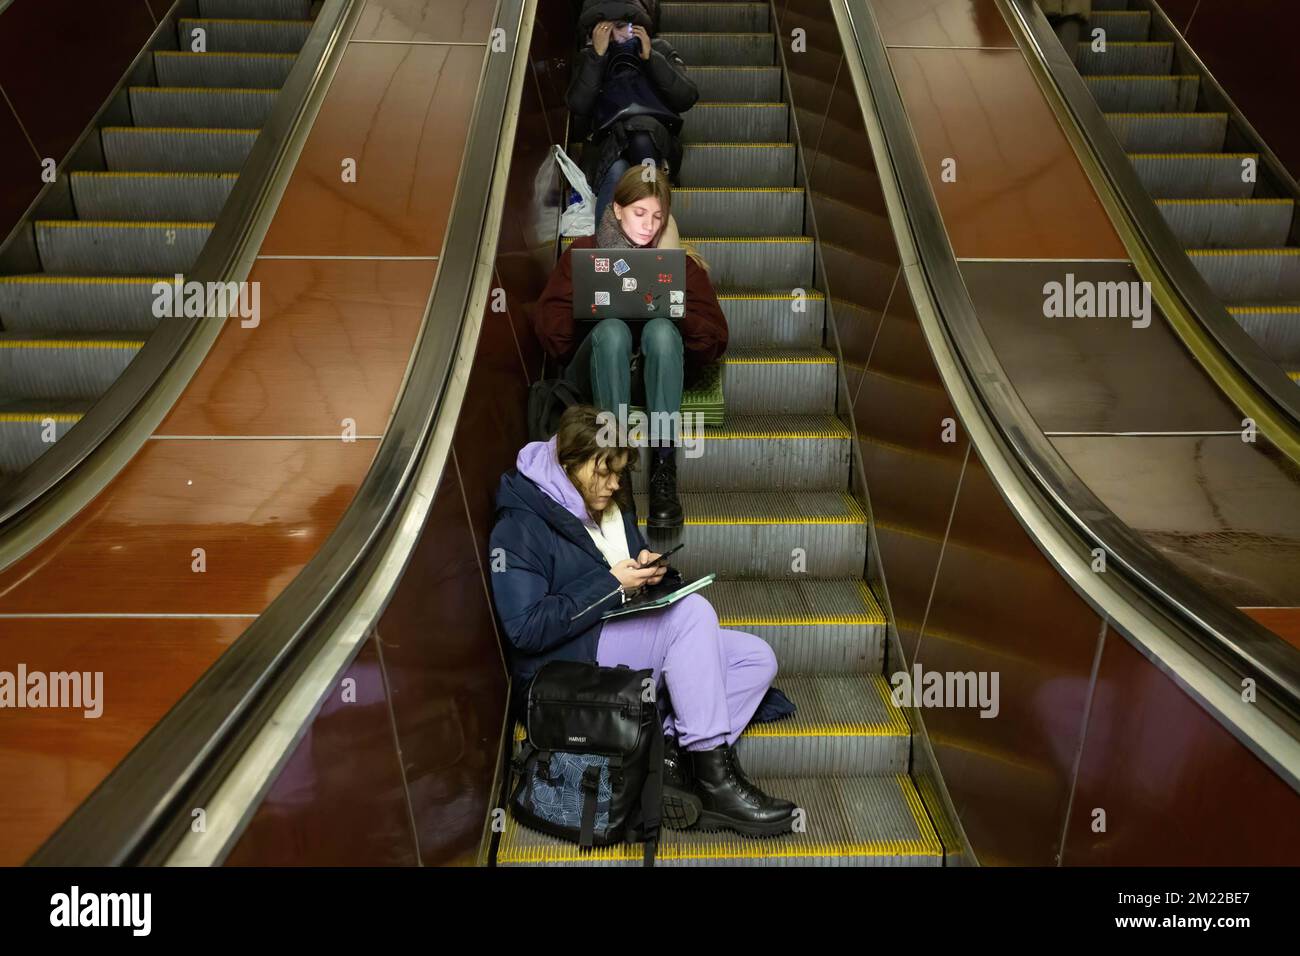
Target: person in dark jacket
{"points": [[599, 366], [562, 552], [629, 90]]}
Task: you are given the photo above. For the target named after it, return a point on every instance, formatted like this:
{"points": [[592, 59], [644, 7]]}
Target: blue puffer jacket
{"points": [[548, 568]]}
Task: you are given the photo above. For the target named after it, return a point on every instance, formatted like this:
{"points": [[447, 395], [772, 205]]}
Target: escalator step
{"points": [[760, 381], [762, 453], [1121, 24], [103, 247], [771, 320], [157, 196], [724, 49], [846, 725], [176, 149], [268, 9], [77, 304], [739, 211], [247, 70], [1250, 275], [1275, 327], [814, 627], [1193, 175], [1145, 94], [1169, 132], [864, 821], [729, 164], [755, 534], [1228, 223], [775, 262], [736, 83], [25, 424], [245, 36], [196, 106], [731, 16], [58, 367], [737, 123], [1126, 59]]}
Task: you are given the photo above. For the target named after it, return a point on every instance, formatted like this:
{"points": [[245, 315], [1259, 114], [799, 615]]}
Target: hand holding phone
{"points": [[660, 562]]}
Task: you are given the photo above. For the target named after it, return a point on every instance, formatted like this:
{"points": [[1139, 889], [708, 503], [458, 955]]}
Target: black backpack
{"points": [[591, 769], [547, 400]]}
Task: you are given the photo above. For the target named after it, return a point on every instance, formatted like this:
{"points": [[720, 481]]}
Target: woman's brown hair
{"points": [[584, 433], [632, 187]]}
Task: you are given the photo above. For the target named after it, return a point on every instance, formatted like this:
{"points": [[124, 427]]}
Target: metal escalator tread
{"points": [[851, 821], [143, 215]]}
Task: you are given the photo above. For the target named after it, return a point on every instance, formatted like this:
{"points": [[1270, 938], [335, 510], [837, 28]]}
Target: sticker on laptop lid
{"points": [[621, 266], [629, 284], [676, 311], [676, 297], [602, 265], [602, 298]]}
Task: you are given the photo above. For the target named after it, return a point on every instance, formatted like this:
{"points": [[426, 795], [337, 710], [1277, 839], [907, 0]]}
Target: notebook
{"points": [[659, 595], [629, 283]]}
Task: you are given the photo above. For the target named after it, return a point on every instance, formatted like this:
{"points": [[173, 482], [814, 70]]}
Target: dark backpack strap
{"points": [[652, 795], [590, 791]]}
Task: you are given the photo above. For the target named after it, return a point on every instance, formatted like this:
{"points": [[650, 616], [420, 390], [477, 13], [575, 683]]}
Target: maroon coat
{"points": [[703, 327]]}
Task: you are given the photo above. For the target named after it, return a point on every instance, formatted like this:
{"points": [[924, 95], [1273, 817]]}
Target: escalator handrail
{"points": [[142, 810], [1191, 615], [1261, 372], [40, 494]]}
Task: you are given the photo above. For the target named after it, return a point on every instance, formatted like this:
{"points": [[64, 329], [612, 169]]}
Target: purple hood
{"points": [[537, 462]]}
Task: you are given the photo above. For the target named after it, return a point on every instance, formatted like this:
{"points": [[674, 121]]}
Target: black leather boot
{"points": [[732, 801], [681, 807], [665, 509]]}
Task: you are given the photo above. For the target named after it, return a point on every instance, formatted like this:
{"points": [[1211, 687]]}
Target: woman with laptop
{"points": [[674, 350], [628, 90], [563, 553]]}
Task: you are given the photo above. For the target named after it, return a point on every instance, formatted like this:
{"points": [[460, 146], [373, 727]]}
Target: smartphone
{"points": [[663, 558]]}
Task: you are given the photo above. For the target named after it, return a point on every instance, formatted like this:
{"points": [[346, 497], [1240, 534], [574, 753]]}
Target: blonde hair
{"points": [[633, 186]]}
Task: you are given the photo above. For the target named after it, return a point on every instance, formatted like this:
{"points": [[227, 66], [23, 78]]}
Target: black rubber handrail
{"points": [[1236, 344], [142, 809], [1193, 616], [24, 492]]}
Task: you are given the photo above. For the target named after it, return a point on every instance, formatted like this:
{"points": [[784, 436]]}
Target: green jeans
{"points": [[602, 366]]}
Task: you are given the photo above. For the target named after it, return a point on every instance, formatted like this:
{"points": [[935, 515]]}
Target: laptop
{"points": [[629, 283]]}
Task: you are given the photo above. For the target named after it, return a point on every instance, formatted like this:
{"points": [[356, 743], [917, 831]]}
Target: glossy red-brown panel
{"points": [[448, 680], [1226, 512], [39, 39], [1180, 11], [259, 509], [20, 169], [426, 21], [1282, 621], [52, 758], [1019, 191], [1000, 611], [1176, 788], [1235, 41], [340, 800], [811, 74], [332, 343], [401, 111], [941, 23]]}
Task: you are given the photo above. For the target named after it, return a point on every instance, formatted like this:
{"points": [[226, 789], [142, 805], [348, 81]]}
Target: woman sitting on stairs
{"points": [[600, 365], [567, 547]]}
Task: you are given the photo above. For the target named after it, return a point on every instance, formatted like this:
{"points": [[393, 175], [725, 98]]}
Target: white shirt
{"points": [[610, 536]]}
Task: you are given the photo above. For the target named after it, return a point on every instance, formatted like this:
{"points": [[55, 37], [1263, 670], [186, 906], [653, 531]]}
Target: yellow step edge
{"points": [[291, 56], [1287, 251], [738, 146], [1141, 76], [1192, 155], [1121, 13], [1111, 43], [826, 360], [29, 418], [154, 175], [91, 280], [237, 20], [1253, 309], [767, 296], [730, 103], [737, 189], [799, 239], [1294, 375], [774, 435], [715, 33], [206, 89], [1171, 115], [223, 130], [71, 344], [739, 66], [120, 224], [1225, 202]]}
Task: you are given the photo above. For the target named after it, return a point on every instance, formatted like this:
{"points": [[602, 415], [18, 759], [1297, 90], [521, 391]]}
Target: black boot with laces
{"points": [[665, 509], [730, 800]]}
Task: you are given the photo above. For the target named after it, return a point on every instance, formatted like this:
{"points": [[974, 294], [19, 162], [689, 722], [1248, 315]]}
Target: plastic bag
{"points": [[579, 216]]}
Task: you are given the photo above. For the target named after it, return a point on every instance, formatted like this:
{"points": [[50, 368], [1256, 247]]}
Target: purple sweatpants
{"points": [[716, 678]]}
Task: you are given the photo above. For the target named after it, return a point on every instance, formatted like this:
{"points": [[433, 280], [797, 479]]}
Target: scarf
{"points": [[609, 234]]}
